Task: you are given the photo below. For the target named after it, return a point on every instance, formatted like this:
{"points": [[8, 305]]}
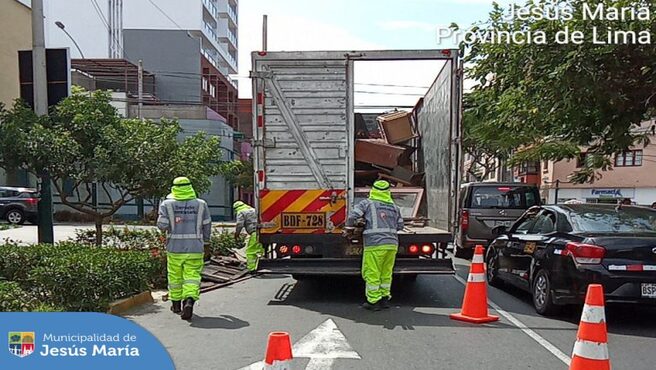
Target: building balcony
{"points": [[226, 10], [227, 36], [211, 8], [210, 32]]}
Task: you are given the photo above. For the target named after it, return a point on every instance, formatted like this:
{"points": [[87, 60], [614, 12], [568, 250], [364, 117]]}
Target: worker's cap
{"points": [[181, 181], [381, 185], [238, 204]]}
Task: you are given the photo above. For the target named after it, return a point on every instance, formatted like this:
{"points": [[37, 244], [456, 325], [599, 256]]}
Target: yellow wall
{"points": [[16, 34]]}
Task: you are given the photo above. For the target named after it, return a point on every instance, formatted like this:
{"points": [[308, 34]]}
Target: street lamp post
{"points": [[63, 28]]}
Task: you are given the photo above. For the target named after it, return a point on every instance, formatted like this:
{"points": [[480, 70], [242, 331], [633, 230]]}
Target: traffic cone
{"points": [[474, 305], [278, 352], [591, 348]]}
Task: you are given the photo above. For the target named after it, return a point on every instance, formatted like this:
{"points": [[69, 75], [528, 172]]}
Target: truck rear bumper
{"points": [[351, 266]]}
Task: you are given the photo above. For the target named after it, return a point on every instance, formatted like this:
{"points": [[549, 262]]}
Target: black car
{"points": [[18, 205], [554, 252]]}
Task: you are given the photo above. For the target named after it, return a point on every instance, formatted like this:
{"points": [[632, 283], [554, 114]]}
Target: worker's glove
{"points": [[348, 232]]}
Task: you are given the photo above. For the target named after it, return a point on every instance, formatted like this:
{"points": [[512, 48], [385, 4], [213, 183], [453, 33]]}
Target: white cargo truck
{"points": [[305, 169]]}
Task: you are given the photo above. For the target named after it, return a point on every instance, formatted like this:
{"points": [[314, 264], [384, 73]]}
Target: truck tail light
{"points": [[297, 249], [427, 249], [586, 254], [413, 249], [283, 249], [464, 221]]}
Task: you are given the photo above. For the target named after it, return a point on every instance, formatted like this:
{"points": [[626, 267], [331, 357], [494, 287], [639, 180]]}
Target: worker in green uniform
{"points": [[188, 223], [247, 220], [382, 221]]}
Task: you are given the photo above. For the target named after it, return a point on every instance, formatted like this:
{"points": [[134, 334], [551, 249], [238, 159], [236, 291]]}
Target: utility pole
{"points": [[40, 77], [264, 32], [140, 202]]}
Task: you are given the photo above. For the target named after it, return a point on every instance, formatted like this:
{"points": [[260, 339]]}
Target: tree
{"points": [[83, 142], [239, 173], [548, 100]]}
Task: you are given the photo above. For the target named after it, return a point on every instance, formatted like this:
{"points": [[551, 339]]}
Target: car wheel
{"points": [[542, 296], [15, 216], [464, 253], [492, 270]]}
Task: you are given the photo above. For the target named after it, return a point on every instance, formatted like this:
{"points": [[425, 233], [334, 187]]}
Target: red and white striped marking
{"points": [[637, 268]]}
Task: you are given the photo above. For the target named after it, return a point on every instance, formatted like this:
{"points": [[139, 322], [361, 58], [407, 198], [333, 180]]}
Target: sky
{"points": [[356, 24]]}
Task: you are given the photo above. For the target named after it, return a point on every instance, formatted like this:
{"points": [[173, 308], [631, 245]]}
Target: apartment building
{"points": [[633, 176], [191, 46]]}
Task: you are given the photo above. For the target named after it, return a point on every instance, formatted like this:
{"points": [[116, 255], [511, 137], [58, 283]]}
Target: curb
{"points": [[122, 305]]}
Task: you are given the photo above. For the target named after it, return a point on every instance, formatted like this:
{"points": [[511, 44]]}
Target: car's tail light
{"points": [[427, 249], [283, 249], [464, 221], [586, 254], [32, 201], [413, 249], [296, 249]]}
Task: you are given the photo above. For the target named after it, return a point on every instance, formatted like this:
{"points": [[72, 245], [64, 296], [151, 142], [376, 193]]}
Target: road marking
{"points": [[528, 331], [322, 346]]}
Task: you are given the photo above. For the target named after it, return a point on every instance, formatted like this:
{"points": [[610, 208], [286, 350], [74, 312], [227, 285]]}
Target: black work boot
{"points": [[384, 303], [370, 307], [176, 307], [187, 309]]}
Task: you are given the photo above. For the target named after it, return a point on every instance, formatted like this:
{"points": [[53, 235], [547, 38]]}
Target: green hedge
{"points": [[13, 298], [79, 277]]}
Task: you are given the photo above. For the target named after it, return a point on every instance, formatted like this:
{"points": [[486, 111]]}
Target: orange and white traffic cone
{"points": [[591, 348], [279, 352], [474, 305]]}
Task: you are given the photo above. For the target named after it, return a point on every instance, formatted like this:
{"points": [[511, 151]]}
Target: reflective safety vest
{"points": [[383, 221], [246, 219], [189, 225]]}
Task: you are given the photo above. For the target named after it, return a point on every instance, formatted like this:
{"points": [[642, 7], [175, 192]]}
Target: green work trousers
{"points": [[254, 251], [377, 268], [184, 275]]}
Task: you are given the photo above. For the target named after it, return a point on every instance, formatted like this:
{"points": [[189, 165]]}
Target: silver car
{"points": [[18, 205]]}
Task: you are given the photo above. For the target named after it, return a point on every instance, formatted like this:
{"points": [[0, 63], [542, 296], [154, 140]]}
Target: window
{"points": [[632, 158], [499, 197], [544, 224], [529, 168], [580, 160], [545, 166], [526, 223]]}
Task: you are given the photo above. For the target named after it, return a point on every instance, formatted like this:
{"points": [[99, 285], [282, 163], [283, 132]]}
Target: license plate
{"points": [[353, 251], [303, 220], [649, 290]]}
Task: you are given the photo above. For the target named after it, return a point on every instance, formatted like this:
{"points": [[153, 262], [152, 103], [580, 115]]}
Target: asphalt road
{"points": [[231, 327]]}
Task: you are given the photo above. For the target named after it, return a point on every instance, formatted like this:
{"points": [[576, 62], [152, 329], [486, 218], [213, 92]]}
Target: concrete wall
{"points": [[221, 194], [173, 56], [16, 20]]}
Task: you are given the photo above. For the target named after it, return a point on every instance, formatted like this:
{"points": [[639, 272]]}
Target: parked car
{"points": [[18, 205], [485, 205], [555, 251]]}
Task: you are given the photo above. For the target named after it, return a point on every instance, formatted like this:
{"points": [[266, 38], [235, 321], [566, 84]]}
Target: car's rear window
{"points": [[506, 197], [604, 219]]}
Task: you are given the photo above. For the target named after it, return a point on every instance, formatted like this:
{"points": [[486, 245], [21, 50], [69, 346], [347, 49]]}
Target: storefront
{"points": [[640, 196]]}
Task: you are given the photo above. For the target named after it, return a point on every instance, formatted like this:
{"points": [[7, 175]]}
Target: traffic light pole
{"points": [[40, 77]]}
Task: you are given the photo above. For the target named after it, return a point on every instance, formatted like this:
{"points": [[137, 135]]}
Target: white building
{"points": [[97, 25]]}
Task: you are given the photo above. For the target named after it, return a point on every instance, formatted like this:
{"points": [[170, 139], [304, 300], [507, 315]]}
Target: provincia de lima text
{"points": [[598, 24]]}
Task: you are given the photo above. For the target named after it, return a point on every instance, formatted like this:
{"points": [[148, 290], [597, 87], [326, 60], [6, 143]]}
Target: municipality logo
{"points": [[21, 343]]}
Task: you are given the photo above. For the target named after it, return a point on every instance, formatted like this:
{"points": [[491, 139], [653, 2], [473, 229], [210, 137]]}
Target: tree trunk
{"points": [[99, 231]]}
